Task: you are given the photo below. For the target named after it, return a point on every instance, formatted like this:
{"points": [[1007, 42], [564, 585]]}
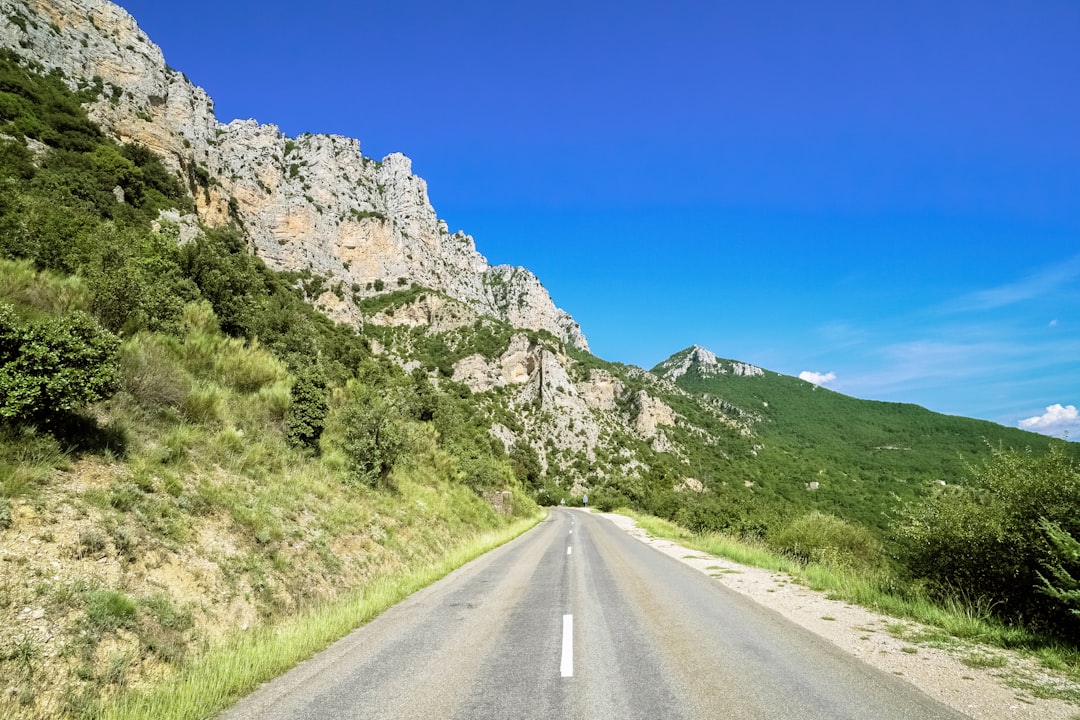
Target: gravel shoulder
{"points": [[1003, 691]]}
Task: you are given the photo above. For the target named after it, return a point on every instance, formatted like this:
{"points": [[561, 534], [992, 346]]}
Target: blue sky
{"points": [[883, 195]]}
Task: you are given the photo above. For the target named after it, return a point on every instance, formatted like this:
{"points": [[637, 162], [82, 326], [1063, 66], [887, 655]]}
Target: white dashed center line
{"points": [[567, 665]]}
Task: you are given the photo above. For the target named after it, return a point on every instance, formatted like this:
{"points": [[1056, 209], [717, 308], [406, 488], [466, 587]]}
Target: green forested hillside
{"points": [[964, 510], [868, 458]]}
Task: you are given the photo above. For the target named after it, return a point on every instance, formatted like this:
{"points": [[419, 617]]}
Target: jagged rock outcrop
{"points": [[577, 415], [706, 363], [308, 203]]}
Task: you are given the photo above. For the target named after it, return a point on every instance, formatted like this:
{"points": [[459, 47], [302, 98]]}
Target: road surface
{"points": [[576, 619]]}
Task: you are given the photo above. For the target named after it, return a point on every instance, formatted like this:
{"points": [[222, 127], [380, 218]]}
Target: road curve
{"points": [[575, 619]]}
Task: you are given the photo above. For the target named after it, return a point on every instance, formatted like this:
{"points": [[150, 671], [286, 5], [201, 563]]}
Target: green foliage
{"points": [[1061, 580], [109, 610], [821, 538], [307, 411], [42, 107], [373, 434], [378, 303], [136, 280], [866, 457], [55, 368], [525, 463], [230, 278], [484, 472], [989, 539]]}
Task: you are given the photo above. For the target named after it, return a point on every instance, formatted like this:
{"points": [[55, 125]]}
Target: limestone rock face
{"points": [[556, 407], [437, 313], [707, 365], [308, 203]]}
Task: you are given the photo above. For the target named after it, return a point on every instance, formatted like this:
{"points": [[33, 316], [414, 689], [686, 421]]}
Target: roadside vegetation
{"points": [[992, 562], [196, 468]]}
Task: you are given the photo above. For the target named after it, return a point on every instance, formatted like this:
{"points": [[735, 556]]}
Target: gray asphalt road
{"points": [[575, 619]]}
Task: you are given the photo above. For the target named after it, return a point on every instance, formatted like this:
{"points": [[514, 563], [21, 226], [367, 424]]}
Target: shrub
{"points": [[819, 537], [990, 540], [53, 369], [372, 435], [307, 412], [484, 472]]}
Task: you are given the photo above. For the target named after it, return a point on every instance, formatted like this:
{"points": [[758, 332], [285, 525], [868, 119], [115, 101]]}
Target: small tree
{"points": [[1062, 584], [374, 435]]}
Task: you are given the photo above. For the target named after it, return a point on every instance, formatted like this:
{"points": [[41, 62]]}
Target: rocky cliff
{"points": [[313, 203], [367, 228]]}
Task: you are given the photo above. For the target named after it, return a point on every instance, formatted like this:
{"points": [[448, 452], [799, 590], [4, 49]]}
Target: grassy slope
{"points": [[208, 526]]}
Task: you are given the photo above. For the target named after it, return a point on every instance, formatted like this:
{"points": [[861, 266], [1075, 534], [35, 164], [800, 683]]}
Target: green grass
{"points": [[216, 679]]}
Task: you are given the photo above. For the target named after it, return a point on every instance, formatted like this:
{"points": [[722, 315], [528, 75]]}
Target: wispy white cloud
{"points": [[816, 377], [1044, 282], [970, 374], [1058, 420], [995, 354]]}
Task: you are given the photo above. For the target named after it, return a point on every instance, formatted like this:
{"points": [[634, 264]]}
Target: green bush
{"points": [[135, 279], [989, 540], [53, 369], [484, 473], [819, 537], [307, 412]]}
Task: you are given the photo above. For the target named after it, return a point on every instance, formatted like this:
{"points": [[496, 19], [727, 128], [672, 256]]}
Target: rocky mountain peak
{"points": [[312, 203], [705, 364]]}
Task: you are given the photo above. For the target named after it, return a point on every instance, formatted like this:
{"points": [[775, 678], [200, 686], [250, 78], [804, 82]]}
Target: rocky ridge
{"points": [[315, 203], [312, 203]]}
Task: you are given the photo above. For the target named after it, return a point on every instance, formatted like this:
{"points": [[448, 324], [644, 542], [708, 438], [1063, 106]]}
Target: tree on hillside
{"points": [[372, 434]]}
